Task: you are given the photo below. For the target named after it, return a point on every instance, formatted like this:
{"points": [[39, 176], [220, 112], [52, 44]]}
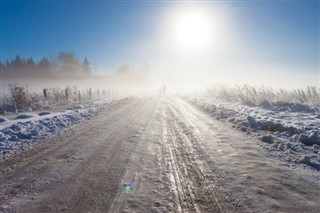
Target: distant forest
{"points": [[65, 65]]}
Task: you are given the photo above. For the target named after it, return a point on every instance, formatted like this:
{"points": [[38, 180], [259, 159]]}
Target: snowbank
{"points": [[28, 128], [291, 133]]}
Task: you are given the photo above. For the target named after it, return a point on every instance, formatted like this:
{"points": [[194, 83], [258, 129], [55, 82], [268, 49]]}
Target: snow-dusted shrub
{"points": [[20, 96]]}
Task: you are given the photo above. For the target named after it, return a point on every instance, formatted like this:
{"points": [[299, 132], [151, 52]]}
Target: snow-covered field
{"points": [[288, 131], [21, 131]]}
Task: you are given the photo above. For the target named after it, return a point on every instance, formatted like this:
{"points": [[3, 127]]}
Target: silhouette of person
{"points": [[164, 88]]}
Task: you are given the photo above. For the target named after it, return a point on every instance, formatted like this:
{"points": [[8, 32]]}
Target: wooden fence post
{"points": [[67, 94], [45, 94]]}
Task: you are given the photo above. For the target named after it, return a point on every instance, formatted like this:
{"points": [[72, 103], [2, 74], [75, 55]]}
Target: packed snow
{"points": [[19, 132], [289, 131]]}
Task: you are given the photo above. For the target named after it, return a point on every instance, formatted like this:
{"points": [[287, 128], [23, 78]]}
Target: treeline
{"points": [[64, 65]]}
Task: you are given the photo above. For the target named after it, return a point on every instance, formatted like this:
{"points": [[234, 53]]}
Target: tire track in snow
{"points": [[192, 187]]}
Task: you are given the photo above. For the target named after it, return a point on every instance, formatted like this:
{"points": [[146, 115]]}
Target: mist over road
{"points": [[157, 154]]}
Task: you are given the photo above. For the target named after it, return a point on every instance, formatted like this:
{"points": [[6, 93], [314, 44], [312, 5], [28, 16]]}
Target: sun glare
{"points": [[192, 31]]}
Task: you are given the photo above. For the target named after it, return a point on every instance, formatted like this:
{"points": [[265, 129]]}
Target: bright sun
{"points": [[192, 31]]}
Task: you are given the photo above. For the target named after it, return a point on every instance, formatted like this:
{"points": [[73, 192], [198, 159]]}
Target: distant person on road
{"points": [[164, 88]]}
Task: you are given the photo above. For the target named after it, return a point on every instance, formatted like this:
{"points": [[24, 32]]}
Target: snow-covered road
{"points": [[154, 155]]}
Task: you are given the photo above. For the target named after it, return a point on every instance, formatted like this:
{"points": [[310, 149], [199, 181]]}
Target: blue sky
{"points": [[266, 34], [102, 31], [284, 31]]}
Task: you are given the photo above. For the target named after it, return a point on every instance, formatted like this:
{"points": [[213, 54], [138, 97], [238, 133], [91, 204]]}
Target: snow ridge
{"points": [[30, 128], [293, 135]]}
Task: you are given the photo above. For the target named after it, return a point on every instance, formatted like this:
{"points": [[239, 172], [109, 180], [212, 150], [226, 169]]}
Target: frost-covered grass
{"points": [[298, 99]]}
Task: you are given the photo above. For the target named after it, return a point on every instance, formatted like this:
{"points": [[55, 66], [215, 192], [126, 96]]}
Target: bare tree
{"points": [[68, 64]]}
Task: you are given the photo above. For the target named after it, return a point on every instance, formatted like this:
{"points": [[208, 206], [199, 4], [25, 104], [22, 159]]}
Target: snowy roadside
{"points": [[290, 132], [27, 129]]}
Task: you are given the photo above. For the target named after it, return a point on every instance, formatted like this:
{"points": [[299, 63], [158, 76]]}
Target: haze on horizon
{"points": [[187, 45]]}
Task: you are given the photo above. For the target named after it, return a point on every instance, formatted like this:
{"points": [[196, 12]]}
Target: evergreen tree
{"points": [[30, 65], [85, 69], [44, 65], [18, 63]]}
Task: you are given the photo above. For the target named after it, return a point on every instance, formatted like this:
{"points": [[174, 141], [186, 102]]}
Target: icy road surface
{"points": [[153, 155]]}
